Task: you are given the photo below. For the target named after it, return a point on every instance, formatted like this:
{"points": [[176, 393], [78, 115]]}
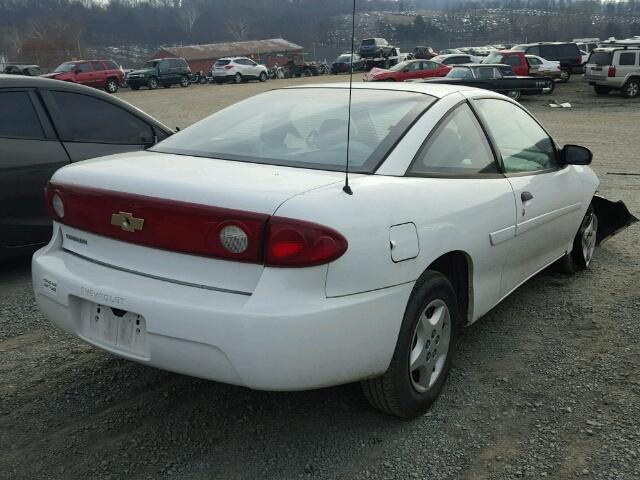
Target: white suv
{"points": [[615, 68], [238, 70]]}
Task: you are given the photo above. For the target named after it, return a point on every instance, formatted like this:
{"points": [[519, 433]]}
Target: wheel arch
{"points": [[457, 266]]}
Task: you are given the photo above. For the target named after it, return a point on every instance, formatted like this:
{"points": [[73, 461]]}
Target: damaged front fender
{"points": [[612, 217]]}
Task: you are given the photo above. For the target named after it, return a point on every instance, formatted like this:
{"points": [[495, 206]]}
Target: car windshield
{"points": [[305, 127], [460, 72], [600, 58], [494, 57], [65, 67], [151, 64]]}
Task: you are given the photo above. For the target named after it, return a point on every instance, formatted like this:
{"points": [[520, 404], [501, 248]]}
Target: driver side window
{"points": [[523, 144]]}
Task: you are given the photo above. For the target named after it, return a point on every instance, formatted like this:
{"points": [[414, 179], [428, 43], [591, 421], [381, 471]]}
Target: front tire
{"points": [[565, 74], [262, 77], [152, 83], [631, 89], [422, 357], [584, 244], [184, 81]]}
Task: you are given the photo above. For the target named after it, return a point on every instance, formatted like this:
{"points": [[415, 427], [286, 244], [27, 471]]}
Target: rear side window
{"points": [[523, 144], [19, 118], [513, 60], [548, 51], [221, 63], [457, 147], [568, 50], [88, 119], [97, 66], [627, 58]]}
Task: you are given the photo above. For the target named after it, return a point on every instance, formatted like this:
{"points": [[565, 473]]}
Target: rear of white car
{"points": [[238, 70], [185, 263]]}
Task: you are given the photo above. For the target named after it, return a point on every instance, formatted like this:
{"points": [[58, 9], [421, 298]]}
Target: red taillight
{"points": [[228, 67], [612, 71], [296, 243], [194, 228], [165, 224]]}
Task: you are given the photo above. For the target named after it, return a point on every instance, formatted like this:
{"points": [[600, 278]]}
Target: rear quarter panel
{"points": [[450, 214]]}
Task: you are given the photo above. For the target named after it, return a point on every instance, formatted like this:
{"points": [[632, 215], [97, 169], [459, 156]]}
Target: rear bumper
{"points": [[274, 339]]}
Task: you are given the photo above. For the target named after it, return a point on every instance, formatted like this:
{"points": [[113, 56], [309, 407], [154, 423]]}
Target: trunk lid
{"points": [[237, 186]]}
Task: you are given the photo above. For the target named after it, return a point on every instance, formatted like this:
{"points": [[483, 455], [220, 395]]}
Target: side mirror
{"points": [[575, 155]]}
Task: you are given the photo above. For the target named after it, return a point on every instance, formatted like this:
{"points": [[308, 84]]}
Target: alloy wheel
{"points": [[184, 82], [430, 345], [588, 240], [112, 86], [632, 89], [238, 78]]}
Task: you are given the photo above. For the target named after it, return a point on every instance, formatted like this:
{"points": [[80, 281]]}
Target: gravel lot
{"points": [[547, 385]]}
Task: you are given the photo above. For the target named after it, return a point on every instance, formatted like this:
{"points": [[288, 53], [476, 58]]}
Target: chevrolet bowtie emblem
{"points": [[127, 221]]}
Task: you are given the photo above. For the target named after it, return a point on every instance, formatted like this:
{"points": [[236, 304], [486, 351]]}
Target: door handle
{"points": [[526, 196]]}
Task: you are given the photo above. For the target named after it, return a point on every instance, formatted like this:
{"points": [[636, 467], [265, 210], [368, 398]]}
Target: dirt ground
{"points": [[547, 385]]}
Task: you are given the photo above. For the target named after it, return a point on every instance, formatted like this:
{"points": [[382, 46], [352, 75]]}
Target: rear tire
{"points": [[631, 89], [584, 245], [417, 371], [565, 74], [237, 78], [111, 85], [514, 95], [600, 90], [152, 83]]}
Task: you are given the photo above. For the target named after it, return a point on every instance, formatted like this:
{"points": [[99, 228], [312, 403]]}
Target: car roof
{"points": [[20, 81], [544, 43], [433, 89], [449, 55]]}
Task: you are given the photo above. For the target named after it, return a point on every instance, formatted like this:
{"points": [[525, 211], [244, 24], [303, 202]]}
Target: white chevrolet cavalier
{"points": [[231, 252]]}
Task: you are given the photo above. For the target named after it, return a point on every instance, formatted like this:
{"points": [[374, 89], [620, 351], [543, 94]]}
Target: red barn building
{"points": [[267, 52]]}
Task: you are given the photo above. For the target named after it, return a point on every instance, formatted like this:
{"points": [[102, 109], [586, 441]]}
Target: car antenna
{"points": [[346, 188]]}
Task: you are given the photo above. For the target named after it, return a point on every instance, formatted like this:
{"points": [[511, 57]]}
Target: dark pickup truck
{"points": [[498, 78]]}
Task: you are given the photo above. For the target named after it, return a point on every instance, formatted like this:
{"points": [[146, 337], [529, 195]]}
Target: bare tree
{"points": [[238, 28]]}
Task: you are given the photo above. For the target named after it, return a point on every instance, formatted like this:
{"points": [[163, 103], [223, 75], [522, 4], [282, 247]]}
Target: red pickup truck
{"points": [[517, 60], [93, 73]]}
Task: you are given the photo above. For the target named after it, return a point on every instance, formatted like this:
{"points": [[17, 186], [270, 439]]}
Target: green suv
{"points": [[161, 71]]}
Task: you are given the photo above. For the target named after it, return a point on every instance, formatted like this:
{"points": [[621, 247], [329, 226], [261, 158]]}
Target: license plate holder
{"points": [[117, 329]]}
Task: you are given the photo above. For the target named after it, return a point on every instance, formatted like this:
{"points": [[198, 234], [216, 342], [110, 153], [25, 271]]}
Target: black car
{"points": [[44, 125], [26, 70], [497, 78], [567, 53], [375, 48], [343, 62], [161, 71]]}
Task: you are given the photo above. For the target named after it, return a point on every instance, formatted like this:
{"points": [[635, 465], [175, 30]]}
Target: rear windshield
{"points": [[221, 63], [369, 41], [304, 127], [600, 58]]}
